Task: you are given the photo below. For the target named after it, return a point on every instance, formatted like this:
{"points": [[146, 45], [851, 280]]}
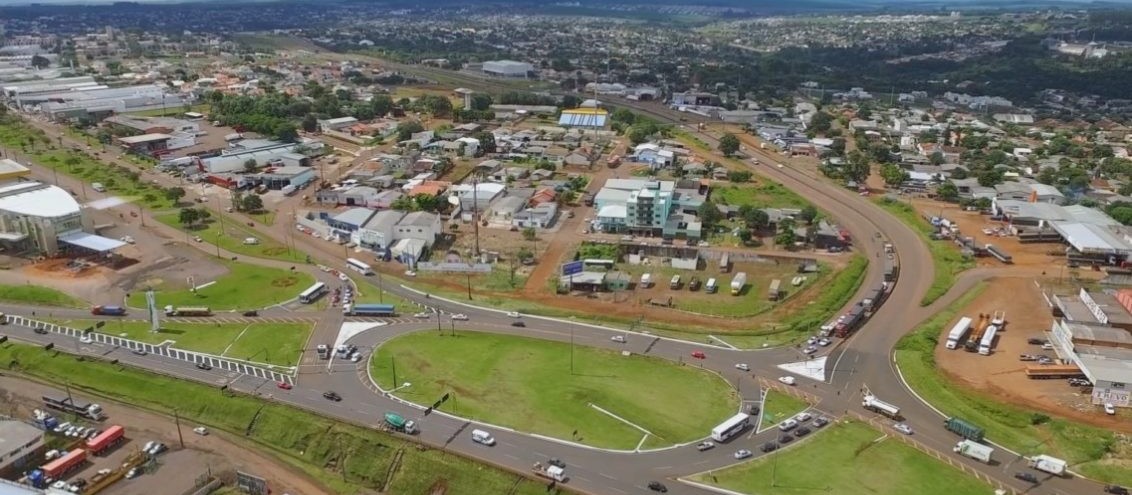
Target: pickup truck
{"points": [[705, 445]]}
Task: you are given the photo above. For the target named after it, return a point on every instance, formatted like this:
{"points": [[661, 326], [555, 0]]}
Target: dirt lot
{"points": [[1001, 373], [178, 468], [973, 224]]}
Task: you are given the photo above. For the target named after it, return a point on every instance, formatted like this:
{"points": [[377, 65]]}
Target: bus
{"points": [[313, 293], [731, 427], [358, 266]]}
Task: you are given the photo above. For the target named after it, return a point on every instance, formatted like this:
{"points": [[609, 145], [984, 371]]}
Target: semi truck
{"points": [[999, 318], [1051, 465], [550, 472], [395, 421], [958, 332], [775, 290], [105, 440], [974, 450], [45, 421], [725, 263], [878, 406], [368, 309], [987, 343], [74, 406], [63, 464], [972, 344], [108, 311], [849, 321], [737, 283], [964, 429], [1000, 254], [187, 311]]}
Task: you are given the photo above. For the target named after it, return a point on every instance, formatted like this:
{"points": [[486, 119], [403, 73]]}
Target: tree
{"points": [[948, 192], [936, 158], [857, 167], [959, 173], [405, 130], [310, 123], [1122, 214], [754, 218], [808, 214], [739, 176], [638, 133], [709, 215], [481, 102], [785, 238], [487, 141], [728, 144], [821, 122], [286, 132], [745, 236], [40, 62], [623, 115], [381, 105], [529, 234], [174, 194], [251, 202], [250, 165], [892, 174], [188, 216], [838, 146]]}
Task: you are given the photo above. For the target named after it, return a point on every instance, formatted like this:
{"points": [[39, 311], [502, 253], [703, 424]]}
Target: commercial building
{"points": [[508, 68], [584, 118], [1104, 355], [150, 125], [477, 197], [326, 125], [236, 161], [157, 144], [280, 177], [11, 170], [44, 219], [420, 225], [649, 207], [96, 103], [21, 448], [378, 233]]}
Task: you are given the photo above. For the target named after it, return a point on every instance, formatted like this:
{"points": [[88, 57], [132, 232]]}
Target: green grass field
{"points": [[1095, 452], [527, 384], [271, 343], [312, 444], [231, 237], [762, 194], [948, 261], [836, 459], [778, 406], [244, 287], [40, 296], [751, 302]]}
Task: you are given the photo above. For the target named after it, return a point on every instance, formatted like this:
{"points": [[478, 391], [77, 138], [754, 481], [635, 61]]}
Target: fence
{"points": [[157, 349]]}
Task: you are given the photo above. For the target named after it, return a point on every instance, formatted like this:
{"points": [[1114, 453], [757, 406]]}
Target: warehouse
{"points": [[21, 447], [1104, 355], [508, 68], [280, 177]]}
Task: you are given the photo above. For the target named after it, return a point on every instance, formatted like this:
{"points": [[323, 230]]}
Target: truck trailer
{"points": [[876, 405], [987, 343], [395, 421], [974, 450], [368, 309], [737, 283], [64, 464], [74, 406], [775, 290], [972, 344], [1051, 465], [108, 311], [646, 280], [958, 332], [964, 429], [999, 254], [849, 321], [550, 472], [105, 440], [187, 311]]}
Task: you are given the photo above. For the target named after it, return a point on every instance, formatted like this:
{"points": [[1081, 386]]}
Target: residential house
{"points": [[654, 155], [578, 158], [503, 209], [539, 217], [478, 196], [543, 195]]}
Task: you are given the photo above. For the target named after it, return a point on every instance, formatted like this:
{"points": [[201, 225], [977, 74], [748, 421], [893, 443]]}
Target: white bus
{"points": [[731, 427], [313, 293], [359, 267]]}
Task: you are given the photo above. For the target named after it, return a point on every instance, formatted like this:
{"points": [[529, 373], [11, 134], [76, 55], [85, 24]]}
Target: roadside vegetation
{"points": [[841, 452], [244, 287], [346, 459], [545, 387], [948, 261], [230, 235], [1095, 452], [778, 406], [37, 295]]}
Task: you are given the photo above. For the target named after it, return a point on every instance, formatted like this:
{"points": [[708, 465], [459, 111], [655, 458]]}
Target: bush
{"points": [[1038, 419]]}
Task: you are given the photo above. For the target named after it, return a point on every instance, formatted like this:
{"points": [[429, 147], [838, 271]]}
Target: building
{"points": [[344, 224], [583, 118], [100, 102], [1104, 355], [37, 217], [149, 125], [420, 225], [21, 448], [280, 177], [477, 197], [540, 216], [378, 233], [327, 125], [508, 68], [694, 99], [649, 207], [654, 155], [1033, 192], [236, 161], [11, 170]]}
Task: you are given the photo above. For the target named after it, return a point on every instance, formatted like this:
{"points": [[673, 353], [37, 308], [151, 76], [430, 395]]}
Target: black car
{"points": [[251, 313], [41, 331], [820, 421], [557, 463], [332, 395], [769, 447], [785, 438], [204, 366], [801, 432], [518, 324], [1115, 490], [1027, 477], [657, 486], [1035, 341]]}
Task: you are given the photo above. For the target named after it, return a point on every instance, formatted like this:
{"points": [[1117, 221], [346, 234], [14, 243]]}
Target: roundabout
{"points": [[596, 397]]}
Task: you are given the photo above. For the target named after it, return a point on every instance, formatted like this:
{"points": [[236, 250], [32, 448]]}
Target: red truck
{"points": [[105, 440], [108, 311], [63, 465]]}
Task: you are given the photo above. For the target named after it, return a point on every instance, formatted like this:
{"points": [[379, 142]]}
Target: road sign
{"points": [[571, 268]]}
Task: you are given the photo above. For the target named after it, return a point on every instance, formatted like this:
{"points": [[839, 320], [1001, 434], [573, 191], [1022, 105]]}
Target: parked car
{"points": [[423, 314], [742, 454], [820, 421], [803, 416], [1079, 382], [810, 349], [1109, 409], [785, 438], [788, 425], [332, 395], [657, 486], [824, 342], [200, 430], [769, 447], [1035, 341], [801, 432], [705, 445], [902, 428], [1027, 477], [742, 367], [251, 313]]}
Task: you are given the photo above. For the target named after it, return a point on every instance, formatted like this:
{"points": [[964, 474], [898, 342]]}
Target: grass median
{"points": [[39, 296], [545, 387], [1092, 451], [346, 459], [231, 236], [778, 406], [946, 258], [245, 286], [848, 458]]}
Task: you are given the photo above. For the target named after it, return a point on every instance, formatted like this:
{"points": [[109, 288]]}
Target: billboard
{"points": [[571, 268]]}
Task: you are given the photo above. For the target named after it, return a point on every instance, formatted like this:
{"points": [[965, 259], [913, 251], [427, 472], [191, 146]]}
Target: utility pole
{"points": [[393, 362], [71, 400], [177, 418], [571, 351], [475, 217], [469, 275]]}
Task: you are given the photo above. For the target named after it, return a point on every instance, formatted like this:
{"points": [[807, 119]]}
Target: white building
{"points": [[36, 217], [507, 68], [420, 225], [378, 233], [335, 124]]}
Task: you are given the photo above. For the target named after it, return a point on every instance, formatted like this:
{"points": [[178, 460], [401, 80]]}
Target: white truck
{"points": [[876, 405], [1051, 465], [958, 332], [711, 286], [553, 472], [646, 280], [738, 282], [974, 450], [999, 318]]}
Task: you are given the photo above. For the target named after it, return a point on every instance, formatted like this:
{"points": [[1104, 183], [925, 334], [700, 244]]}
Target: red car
{"points": [[283, 385], [698, 354]]}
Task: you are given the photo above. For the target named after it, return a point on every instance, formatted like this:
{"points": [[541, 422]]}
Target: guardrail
{"points": [[164, 349]]}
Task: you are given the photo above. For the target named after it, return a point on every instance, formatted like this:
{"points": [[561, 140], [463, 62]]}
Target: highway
{"points": [[865, 359]]}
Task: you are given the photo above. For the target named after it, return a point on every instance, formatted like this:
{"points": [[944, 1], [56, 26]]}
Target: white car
{"points": [[157, 449], [789, 380], [514, 314], [618, 338], [1109, 409], [460, 316], [149, 446], [128, 240], [810, 349], [86, 339], [824, 342], [200, 430], [742, 367], [902, 428], [355, 357], [742, 454], [812, 340], [802, 417], [423, 314], [133, 473], [788, 425]]}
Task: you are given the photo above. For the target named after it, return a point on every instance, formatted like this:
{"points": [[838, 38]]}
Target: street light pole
{"points": [[393, 362], [177, 418], [571, 351]]}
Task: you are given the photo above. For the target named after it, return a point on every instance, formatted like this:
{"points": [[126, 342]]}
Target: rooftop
{"points": [[354, 216], [37, 199], [145, 138], [384, 220], [9, 166], [14, 434], [419, 219]]}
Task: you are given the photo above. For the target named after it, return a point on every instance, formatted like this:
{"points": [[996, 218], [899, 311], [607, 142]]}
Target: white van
{"points": [[97, 186], [480, 436]]}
